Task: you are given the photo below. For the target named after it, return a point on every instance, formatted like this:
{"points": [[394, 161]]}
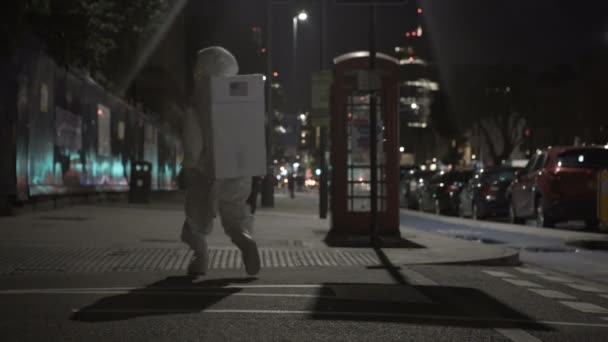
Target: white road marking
{"points": [[586, 288], [552, 294], [524, 283], [585, 307], [556, 279], [605, 318], [193, 287], [517, 335], [173, 293], [499, 274], [529, 271], [347, 314], [415, 278], [359, 292]]}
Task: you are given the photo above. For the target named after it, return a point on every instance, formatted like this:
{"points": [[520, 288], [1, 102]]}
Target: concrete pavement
{"points": [[115, 272], [119, 237]]}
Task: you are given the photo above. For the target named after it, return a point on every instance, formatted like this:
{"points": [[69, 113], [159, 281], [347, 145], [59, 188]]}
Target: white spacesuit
{"points": [[204, 193]]}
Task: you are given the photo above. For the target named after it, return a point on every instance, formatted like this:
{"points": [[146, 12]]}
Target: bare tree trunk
{"points": [[489, 141]]}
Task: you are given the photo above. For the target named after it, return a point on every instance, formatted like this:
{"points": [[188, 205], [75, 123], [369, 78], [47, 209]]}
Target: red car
{"points": [[557, 185]]}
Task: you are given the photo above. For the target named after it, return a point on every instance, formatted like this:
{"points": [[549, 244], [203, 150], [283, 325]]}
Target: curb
{"points": [[502, 226], [592, 245], [510, 260]]}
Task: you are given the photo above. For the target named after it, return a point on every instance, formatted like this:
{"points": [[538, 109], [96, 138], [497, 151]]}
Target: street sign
{"points": [[321, 84]]}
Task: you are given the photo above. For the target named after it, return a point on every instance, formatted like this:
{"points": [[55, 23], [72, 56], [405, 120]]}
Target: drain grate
{"points": [[479, 239], [549, 249], [91, 260], [64, 218]]}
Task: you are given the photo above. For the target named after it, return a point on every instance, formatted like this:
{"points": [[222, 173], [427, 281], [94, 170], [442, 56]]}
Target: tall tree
{"points": [[94, 35], [497, 101]]}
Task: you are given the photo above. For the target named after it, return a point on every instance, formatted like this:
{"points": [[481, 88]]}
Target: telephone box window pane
{"points": [[358, 132], [364, 205], [362, 173], [358, 158]]}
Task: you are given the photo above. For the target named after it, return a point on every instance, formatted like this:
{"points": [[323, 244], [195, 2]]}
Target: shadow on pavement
{"points": [[415, 304], [173, 295], [444, 306], [393, 270], [363, 241]]}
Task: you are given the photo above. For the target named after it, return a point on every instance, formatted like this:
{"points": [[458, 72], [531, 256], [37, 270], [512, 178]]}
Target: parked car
{"points": [[485, 194], [441, 193], [558, 184], [410, 183]]}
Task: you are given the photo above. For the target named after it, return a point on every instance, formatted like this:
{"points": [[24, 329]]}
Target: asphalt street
{"points": [[120, 277], [420, 303]]}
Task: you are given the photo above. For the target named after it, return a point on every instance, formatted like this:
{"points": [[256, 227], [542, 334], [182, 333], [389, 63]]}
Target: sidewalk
{"points": [[120, 238]]}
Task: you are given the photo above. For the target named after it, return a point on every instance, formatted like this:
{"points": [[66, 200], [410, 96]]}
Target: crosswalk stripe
{"points": [[552, 294], [556, 279], [517, 335], [586, 288], [529, 271], [585, 307], [499, 274], [524, 283]]}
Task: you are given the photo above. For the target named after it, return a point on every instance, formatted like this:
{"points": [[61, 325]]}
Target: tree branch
{"points": [[489, 140]]}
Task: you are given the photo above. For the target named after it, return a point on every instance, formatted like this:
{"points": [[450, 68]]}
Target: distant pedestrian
{"points": [[291, 184]]}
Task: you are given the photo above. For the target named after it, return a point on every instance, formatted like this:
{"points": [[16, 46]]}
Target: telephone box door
{"points": [[352, 91]]}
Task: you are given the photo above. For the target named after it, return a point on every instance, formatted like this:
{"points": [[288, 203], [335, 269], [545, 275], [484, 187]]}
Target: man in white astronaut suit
{"points": [[206, 195]]}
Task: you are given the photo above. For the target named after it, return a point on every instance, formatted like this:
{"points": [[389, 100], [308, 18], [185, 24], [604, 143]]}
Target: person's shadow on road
{"points": [[173, 295]]}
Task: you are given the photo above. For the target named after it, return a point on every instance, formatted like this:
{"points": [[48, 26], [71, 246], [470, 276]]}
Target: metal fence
{"points": [[63, 133]]}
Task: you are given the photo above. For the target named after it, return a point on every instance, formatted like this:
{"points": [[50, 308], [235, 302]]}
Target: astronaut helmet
{"points": [[215, 61]]}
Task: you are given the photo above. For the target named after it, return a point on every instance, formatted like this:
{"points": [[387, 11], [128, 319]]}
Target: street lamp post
{"points": [[301, 16], [268, 186], [268, 183]]}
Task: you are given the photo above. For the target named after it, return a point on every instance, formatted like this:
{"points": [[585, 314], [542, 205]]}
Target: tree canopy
{"points": [[93, 35]]}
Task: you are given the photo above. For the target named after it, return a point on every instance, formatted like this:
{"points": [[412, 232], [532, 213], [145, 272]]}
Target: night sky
{"points": [[539, 33]]}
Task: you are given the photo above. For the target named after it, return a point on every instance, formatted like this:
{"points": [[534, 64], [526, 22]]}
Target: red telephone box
{"points": [[350, 154]]}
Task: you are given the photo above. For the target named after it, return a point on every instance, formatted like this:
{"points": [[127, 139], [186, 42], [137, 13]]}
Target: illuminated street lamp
{"points": [[302, 16]]}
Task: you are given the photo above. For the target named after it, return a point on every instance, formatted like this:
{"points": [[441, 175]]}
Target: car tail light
{"points": [[489, 190], [452, 189], [554, 175]]}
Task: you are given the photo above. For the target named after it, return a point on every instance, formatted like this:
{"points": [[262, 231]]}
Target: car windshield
{"points": [[498, 175], [596, 158], [425, 174], [453, 177]]}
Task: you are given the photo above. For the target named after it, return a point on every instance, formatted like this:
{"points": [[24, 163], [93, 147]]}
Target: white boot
{"points": [[200, 259], [250, 253], [198, 266]]}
